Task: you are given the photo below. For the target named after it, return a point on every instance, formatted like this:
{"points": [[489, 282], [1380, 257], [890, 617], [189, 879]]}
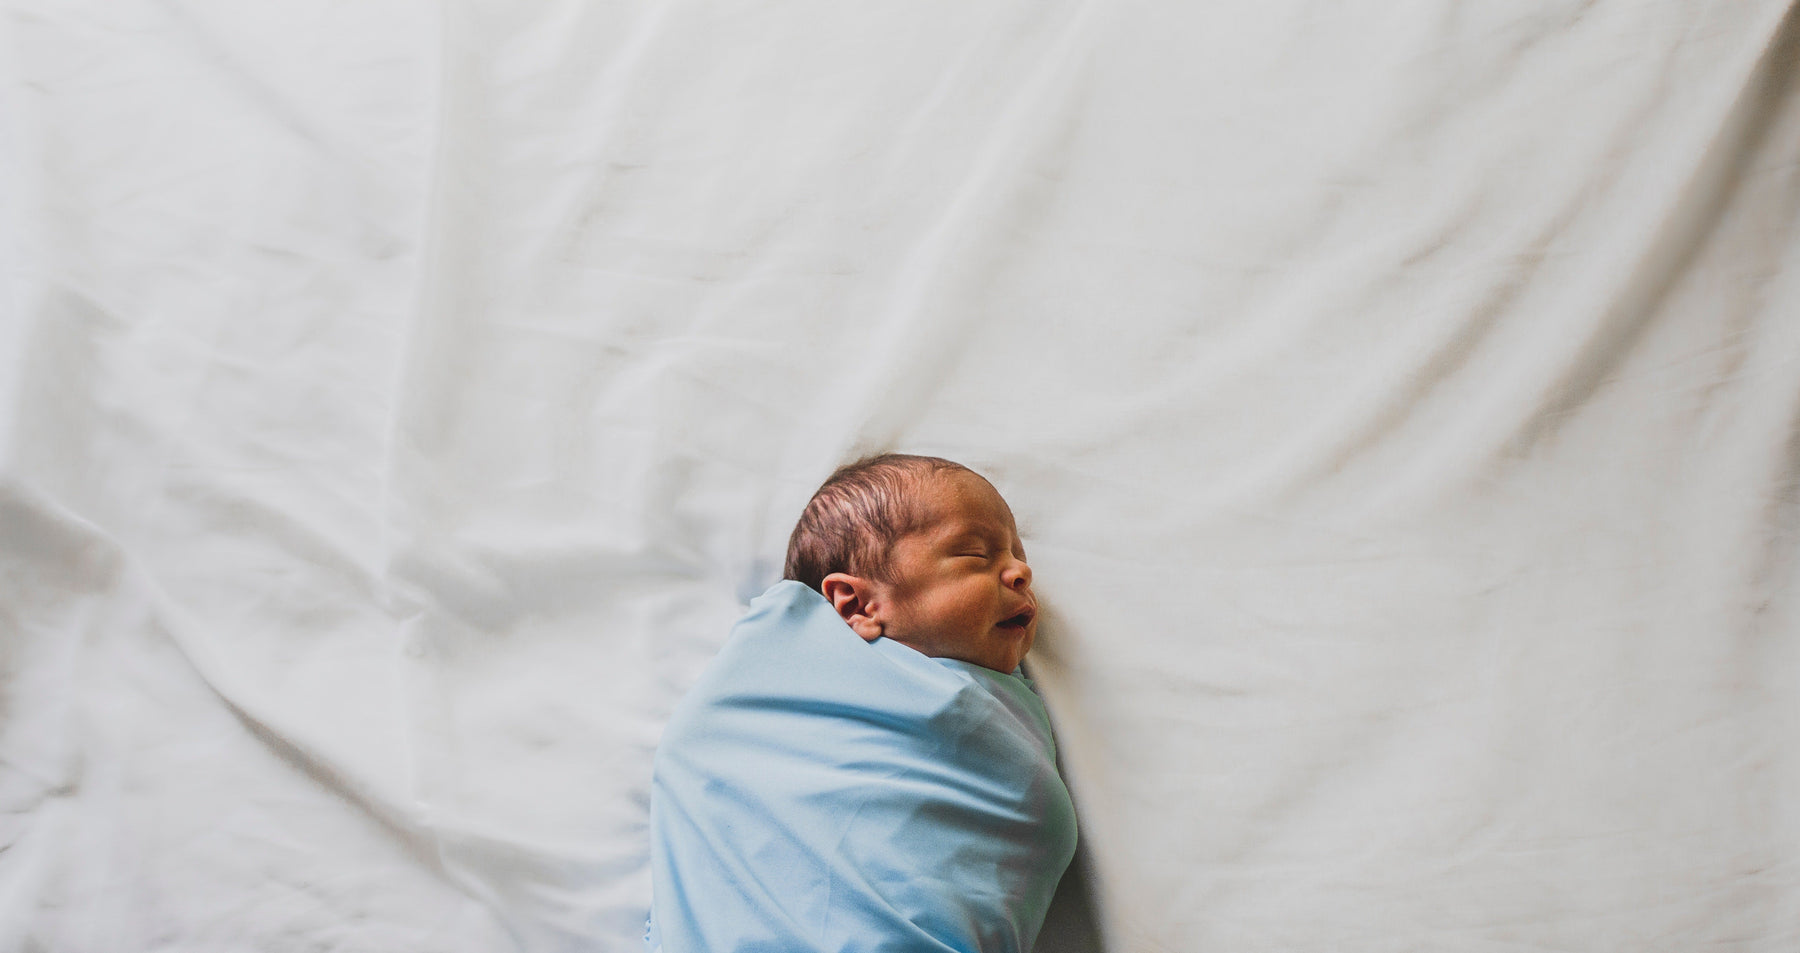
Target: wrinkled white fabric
{"points": [[1401, 403]]}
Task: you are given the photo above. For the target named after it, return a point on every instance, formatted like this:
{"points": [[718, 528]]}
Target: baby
{"points": [[893, 792], [922, 551]]}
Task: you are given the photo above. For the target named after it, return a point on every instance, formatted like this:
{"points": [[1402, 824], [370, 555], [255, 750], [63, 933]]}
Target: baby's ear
{"points": [[850, 596]]}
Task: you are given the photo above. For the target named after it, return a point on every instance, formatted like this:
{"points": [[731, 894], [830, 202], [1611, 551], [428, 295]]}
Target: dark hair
{"points": [[857, 514]]}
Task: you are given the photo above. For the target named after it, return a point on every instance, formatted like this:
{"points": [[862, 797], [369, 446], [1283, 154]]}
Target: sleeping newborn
{"points": [[864, 767]]}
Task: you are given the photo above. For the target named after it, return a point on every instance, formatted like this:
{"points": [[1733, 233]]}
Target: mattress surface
{"points": [[1401, 406]]}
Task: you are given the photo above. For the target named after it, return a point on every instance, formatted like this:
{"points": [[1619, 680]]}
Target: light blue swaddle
{"points": [[818, 792]]}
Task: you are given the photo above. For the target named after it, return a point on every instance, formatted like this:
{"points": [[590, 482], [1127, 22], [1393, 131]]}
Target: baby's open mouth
{"points": [[1019, 621]]}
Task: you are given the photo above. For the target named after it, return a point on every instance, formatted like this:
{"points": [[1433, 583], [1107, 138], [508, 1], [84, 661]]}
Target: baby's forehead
{"points": [[959, 502]]}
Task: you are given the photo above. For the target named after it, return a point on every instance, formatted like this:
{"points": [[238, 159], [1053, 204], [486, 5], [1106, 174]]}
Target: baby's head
{"points": [[922, 551]]}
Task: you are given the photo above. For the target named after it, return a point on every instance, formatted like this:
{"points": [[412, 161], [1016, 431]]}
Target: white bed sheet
{"points": [[398, 401]]}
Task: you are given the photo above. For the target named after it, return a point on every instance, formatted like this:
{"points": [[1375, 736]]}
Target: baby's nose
{"points": [[1018, 576]]}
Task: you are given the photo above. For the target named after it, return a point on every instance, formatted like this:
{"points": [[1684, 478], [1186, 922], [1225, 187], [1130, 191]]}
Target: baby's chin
{"points": [[1003, 651], [1017, 646], [992, 661]]}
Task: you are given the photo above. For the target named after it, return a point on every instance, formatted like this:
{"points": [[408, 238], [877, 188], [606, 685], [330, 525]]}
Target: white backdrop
{"points": [[1401, 402]]}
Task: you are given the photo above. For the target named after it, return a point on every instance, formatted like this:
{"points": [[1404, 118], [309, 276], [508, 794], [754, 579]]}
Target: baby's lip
{"points": [[1020, 619]]}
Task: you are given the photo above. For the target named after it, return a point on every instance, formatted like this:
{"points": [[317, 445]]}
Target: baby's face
{"points": [[961, 588]]}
